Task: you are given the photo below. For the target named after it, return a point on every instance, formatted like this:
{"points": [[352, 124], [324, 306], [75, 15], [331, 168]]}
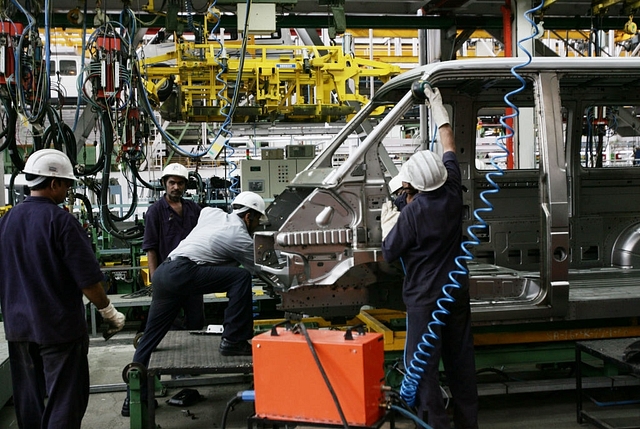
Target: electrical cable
{"points": [[303, 329], [136, 173], [80, 78], [106, 216], [87, 204], [35, 113], [8, 123], [243, 396], [229, 107], [12, 186], [416, 367], [411, 416]]}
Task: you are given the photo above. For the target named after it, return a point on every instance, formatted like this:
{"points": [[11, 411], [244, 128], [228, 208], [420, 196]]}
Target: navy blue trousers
{"points": [[175, 281], [194, 313], [456, 350], [59, 371]]}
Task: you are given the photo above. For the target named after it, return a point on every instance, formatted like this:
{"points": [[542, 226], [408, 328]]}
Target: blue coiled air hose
{"points": [[416, 367]]}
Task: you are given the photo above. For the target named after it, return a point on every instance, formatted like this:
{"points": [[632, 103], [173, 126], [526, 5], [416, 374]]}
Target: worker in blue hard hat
{"points": [[427, 236], [207, 261], [48, 264]]}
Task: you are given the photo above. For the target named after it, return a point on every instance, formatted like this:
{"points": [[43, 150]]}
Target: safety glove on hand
{"points": [[114, 319], [388, 217], [438, 112]]}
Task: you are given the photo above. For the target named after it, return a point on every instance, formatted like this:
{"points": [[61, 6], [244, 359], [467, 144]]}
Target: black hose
{"points": [[87, 204], [105, 214], [136, 173], [38, 139], [12, 181], [232, 402], [199, 186], [303, 329], [100, 163], [9, 129], [60, 136], [12, 144]]}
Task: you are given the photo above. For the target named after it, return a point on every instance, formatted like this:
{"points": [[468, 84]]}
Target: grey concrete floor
{"points": [[107, 359]]}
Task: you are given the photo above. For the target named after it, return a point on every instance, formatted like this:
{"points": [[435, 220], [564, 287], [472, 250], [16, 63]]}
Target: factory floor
{"points": [[556, 410]]}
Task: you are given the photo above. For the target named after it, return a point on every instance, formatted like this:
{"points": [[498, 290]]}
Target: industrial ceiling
{"points": [[443, 14]]}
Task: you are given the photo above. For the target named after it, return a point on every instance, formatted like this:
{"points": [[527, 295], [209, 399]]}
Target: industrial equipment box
{"points": [[272, 153], [300, 151], [289, 385]]}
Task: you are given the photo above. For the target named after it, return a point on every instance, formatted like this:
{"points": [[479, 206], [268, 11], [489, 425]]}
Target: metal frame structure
{"points": [[535, 261]]}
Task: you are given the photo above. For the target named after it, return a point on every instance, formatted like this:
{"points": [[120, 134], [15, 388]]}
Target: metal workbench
{"points": [[611, 352], [123, 301], [183, 353]]}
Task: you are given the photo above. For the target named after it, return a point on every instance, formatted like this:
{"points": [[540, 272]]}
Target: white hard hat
{"points": [[248, 200], [395, 184], [424, 171], [175, 169], [48, 163]]}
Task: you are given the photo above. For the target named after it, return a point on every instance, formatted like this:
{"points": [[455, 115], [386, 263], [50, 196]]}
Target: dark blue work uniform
{"points": [[427, 237], [46, 259], [163, 231]]}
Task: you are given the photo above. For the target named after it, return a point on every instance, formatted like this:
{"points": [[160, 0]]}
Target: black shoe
{"points": [[227, 348], [125, 408], [126, 412]]}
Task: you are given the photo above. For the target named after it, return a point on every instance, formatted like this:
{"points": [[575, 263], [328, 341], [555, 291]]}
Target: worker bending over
{"points": [[205, 262], [427, 235]]}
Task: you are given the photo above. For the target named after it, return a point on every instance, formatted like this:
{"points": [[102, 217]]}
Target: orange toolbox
{"points": [[289, 385]]}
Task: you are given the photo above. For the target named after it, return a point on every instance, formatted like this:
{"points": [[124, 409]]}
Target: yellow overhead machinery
{"points": [[271, 82]]}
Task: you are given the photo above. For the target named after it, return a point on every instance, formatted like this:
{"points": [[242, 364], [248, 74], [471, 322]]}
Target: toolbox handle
{"points": [[286, 323], [349, 335]]}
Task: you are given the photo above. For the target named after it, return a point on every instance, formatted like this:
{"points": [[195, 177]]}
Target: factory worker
{"points": [[207, 261], [47, 264], [401, 192], [168, 221], [427, 235]]}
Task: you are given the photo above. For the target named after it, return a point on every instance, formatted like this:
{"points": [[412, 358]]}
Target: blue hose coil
{"points": [[415, 369]]}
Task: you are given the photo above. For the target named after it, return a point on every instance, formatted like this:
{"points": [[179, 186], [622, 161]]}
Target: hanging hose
{"points": [[334, 396], [416, 367], [195, 176], [8, 132], [87, 204], [229, 106], [41, 96], [136, 174], [12, 183], [106, 216], [80, 79]]}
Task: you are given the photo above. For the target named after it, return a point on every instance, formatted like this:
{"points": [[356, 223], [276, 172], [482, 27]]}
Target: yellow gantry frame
{"points": [[288, 83]]}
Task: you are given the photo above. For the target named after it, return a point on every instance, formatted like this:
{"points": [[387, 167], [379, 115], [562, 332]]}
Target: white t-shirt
{"points": [[219, 238]]}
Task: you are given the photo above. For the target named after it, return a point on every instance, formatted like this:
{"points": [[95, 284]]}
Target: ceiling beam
{"points": [[385, 22]]}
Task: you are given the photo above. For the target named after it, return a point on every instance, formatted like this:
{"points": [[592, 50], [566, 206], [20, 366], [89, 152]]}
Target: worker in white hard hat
{"points": [[167, 222], [208, 260], [47, 265], [426, 235]]}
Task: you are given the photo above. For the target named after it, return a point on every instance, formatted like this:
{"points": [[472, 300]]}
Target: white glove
{"points": [[114, 319], [438, 112], [388, 218]]}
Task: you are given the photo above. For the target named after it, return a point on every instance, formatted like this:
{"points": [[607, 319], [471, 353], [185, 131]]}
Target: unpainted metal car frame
{"points": [[563, 237]]}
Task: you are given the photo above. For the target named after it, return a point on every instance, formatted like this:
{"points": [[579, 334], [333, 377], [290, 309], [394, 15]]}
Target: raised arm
{"points": [[441, 118]]}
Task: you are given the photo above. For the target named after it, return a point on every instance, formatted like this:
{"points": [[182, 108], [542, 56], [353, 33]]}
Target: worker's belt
{"points": [[179, 258]]}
